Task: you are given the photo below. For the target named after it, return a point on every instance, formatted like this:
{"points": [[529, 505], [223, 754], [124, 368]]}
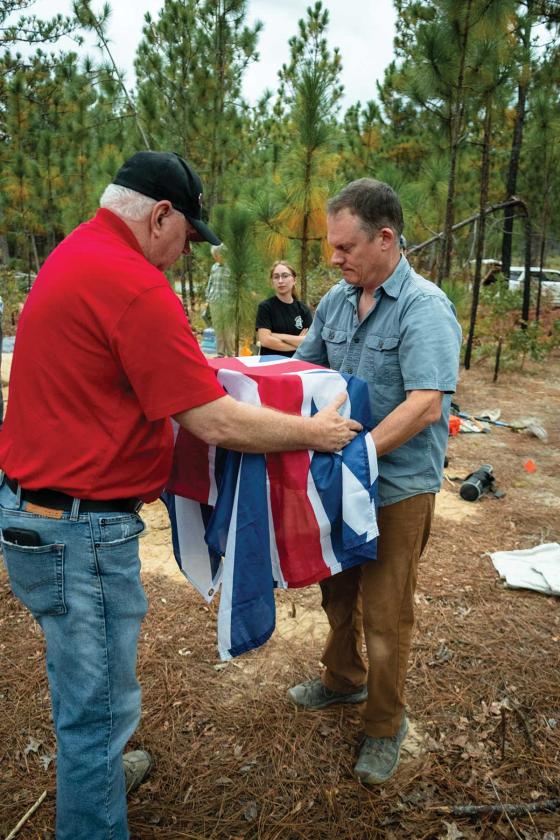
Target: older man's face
{"points": [[360, 258], [176, 235]]}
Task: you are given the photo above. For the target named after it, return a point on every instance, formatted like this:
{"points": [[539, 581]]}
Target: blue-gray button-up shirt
{"points": [[409, 341]]}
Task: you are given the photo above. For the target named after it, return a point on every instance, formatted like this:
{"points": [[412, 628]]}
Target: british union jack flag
{"points": [[249, 523]]}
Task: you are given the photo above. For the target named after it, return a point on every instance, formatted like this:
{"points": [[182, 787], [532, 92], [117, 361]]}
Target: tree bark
{"points": [[457, 114], [481, 227], [517, 142], [305, 228]]}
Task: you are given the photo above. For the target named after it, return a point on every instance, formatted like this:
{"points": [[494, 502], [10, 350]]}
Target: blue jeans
{"points": [[82, 584]]}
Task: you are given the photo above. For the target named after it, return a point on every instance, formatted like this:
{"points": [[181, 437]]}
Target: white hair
{"points": [[126, 203]]}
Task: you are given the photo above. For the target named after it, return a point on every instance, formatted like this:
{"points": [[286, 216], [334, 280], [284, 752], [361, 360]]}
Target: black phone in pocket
{"points": [[21, 536]]}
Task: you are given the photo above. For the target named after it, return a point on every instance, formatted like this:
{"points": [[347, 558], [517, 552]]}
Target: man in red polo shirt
{"points": [[104, 357]]}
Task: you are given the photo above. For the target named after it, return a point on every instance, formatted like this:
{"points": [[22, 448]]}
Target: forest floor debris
{"points": [[236, 760]]}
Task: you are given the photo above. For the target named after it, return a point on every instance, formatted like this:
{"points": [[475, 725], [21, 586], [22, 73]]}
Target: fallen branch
{"points": [[514, 810], [26, 816]]}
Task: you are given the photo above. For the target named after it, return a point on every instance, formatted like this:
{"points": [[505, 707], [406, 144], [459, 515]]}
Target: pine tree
{"points": [[540, 181], [439, 77], [97, 23], [29, 29], [491, 69], [61, 145], [309, 95], [530, 14], [190, 65], [237, 224], [360, 141]]}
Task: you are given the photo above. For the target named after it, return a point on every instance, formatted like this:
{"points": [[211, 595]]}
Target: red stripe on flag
{"points": [[295, 525], [190, 472], [262, 369]]}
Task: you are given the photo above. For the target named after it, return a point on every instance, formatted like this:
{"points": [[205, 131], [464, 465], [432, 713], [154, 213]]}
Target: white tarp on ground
{"points": [[532, 568]]}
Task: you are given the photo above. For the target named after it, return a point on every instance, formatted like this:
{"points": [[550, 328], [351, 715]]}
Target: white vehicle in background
{"points": [[550, 282]]}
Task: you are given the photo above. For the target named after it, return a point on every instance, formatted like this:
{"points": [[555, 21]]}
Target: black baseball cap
{"points": [[165, 175]]}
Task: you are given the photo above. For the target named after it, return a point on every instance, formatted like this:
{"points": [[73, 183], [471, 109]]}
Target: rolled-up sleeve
{"points": [[430, 344]]}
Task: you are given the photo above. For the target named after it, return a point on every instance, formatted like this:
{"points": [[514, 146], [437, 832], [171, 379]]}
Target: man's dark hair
{"points": [[375, 204]]}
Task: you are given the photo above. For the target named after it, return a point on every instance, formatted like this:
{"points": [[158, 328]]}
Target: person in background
{"points": [[388, 325], [217, 299], [282, 320], [87, 439]]}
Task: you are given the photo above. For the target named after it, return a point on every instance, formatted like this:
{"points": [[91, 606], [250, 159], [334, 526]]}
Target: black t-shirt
{"points": [[279, 317]]}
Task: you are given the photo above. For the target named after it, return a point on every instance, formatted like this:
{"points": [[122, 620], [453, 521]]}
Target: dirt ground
{"points": [[235, 760]]}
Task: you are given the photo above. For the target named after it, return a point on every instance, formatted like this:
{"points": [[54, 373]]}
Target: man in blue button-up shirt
{"points": [[398, 331]]}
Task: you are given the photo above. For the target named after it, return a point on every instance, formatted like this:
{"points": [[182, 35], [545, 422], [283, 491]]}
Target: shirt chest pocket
{"points": [[382, 358], [335, 344]]}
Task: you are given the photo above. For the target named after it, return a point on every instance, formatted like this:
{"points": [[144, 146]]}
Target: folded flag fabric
{"points": [[253, 522]]}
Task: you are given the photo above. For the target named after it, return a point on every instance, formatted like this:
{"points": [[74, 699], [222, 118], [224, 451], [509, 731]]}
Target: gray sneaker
{"points": [[314, 694], [137, 765], [379, 757]]}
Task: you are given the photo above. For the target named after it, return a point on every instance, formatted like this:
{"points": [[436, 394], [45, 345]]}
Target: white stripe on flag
{"points": [[358, 510], [372, 459], [213, 492], [239, 386], [324, 524], [257, 361], [193, 551], [277, 575], [332, 384]]}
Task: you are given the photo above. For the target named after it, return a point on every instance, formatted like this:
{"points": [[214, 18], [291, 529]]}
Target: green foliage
{"points": [[459, 293], [54, 158], [528, 343], [190, 65], [237, 227], [13, 290], [451, 95], [320, 280], [503, 303], [308, 96], [500, 321], [30, 29]]}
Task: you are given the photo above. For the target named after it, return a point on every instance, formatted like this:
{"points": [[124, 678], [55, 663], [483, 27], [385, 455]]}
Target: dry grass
{"points": [[235, 760]]}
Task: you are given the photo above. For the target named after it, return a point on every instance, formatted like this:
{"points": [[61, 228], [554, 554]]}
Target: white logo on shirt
{"points": [[299, 322]]}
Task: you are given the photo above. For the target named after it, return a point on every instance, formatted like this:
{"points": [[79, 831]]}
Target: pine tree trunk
{"points": [[516, 145], [305, 227], [481, 227], [447, 241], [4, 252], [35, 252], [511, 185], [497, 360], [544, 223], [237, 320], [456, 128], [217, 150]]}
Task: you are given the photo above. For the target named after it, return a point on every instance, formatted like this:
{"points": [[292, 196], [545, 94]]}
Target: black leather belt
{"points": [[56, 500]]}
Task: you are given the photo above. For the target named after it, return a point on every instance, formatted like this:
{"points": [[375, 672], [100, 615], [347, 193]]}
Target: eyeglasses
{"points": [[283, 276]]}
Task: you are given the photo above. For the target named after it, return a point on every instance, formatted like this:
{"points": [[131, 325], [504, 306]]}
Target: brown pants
{"points": [[378, 597]]}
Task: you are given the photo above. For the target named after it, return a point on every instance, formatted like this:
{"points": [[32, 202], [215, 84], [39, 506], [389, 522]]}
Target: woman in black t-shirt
{"points": [[282, 320]]}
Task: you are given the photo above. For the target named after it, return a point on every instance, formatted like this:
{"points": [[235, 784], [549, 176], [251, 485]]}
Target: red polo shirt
{"points": [[104, 355]]}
